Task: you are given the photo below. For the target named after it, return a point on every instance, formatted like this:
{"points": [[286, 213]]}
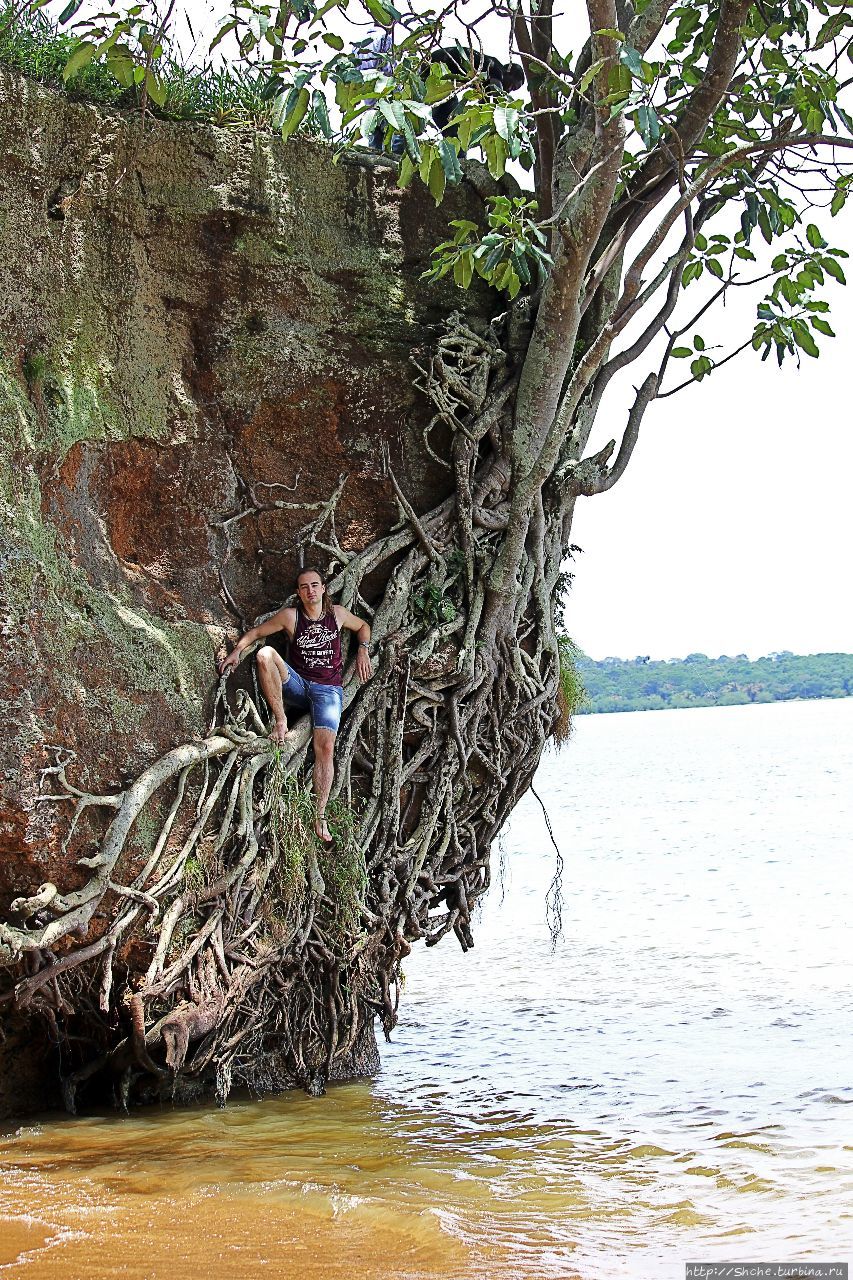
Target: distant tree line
{"points": [[638, 684]]}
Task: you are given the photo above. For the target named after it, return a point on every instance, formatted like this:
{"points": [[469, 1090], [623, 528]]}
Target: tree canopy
{"points": [[729, 104], [638, 684]]}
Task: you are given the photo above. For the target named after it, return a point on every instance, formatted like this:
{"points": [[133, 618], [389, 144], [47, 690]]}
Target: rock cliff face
{"points": [[196, 325]]}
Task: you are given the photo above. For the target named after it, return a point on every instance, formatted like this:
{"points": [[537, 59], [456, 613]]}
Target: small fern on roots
{"points": [[571, 693]]}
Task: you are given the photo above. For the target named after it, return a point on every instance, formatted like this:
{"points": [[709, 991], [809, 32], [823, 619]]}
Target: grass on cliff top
{"points": [[33, 45]]}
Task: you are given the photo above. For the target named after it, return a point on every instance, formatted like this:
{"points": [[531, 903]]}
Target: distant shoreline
{"points": [[638, 684]]}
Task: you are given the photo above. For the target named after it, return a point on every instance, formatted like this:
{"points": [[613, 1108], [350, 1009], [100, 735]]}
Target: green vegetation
{"points": [[344, 869], [294, 846], [32, 44], [571, 694], [291, 833], [230, 97], [698, 681]]}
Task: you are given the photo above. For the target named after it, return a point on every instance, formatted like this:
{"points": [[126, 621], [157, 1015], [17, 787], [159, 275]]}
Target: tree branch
{"points": [[647, 26], [660, 171], [592, 475]]}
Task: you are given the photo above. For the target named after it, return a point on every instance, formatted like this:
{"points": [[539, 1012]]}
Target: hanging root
{"points": [[241, 950]]}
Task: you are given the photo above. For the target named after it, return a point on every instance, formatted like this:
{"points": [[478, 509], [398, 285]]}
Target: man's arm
{"points": [[284, 620], [362, 634]]}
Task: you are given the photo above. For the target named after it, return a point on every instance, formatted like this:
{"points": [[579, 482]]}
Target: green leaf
{"points": [[521, 267], [417, 108], [120, 65], [449, 161], [495, 151], [321, 112], [68, 12], [463, 228], [155, 89], [773, 60], [491, 263], [630, 57], [648, 125], [814, 120], [834, 269], [505, 121], [698, 342], [830, 29], [464, 129], [333, 41], [612, 32], [463, 270], [437, 87], [393, 113], [378, 12], [814, 237], [846, 119], [589, 75], [436, 182], [80, 58], [412, 146], [407, 170], [618, 86], [272, 89], [681, 353], [822, 326], [296, 113], [692, 271], [804, 339], [714, 267], [428, 157]]}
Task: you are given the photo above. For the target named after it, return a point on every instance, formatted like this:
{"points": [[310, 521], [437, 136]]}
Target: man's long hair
{"points": [[325, 603]]}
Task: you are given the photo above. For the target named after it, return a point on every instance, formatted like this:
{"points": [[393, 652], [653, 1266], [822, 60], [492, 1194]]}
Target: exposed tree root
{"points": [[268, 955]]}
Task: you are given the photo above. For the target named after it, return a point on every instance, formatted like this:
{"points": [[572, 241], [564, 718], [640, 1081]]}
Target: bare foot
{"points": [[322, 829], [280, 732]]}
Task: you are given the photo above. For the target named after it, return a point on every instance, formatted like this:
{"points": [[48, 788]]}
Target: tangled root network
{"points": [[243, 952]]}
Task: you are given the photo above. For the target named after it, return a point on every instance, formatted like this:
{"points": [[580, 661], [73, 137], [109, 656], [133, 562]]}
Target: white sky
{"points": [[731, 530]]}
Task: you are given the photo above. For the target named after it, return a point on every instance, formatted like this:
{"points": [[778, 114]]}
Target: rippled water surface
{"points": [[672, 1083]]}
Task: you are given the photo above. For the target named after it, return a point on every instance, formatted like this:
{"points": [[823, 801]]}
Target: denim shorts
{"points": [[325, 701]]}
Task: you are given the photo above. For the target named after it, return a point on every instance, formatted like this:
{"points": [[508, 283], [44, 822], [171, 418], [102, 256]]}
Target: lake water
{"points": [[671, 1084]]}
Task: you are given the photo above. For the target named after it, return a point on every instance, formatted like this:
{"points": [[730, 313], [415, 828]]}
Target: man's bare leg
{"points": [[324, 772], [272, 674]]}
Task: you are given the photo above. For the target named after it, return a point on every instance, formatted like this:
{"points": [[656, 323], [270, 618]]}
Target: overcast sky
{"points": [[730, 532]]}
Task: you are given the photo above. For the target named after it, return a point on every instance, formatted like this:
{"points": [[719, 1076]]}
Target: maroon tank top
{"points": [[315, 650]]}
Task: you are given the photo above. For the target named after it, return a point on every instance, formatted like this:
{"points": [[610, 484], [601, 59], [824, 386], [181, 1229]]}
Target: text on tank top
{"points": [[315, 650]]}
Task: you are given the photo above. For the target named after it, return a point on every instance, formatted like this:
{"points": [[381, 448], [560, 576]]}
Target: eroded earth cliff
{"points": [[196, 324]]}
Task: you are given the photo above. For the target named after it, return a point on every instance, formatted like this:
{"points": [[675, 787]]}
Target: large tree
{"points": [[665, 148]]}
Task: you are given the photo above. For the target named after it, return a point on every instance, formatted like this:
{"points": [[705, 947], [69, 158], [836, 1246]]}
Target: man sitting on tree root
{"points": [[312, 679]]}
